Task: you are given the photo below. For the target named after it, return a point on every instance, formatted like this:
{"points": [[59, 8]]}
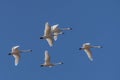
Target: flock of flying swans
{"points": [[51, 34]]}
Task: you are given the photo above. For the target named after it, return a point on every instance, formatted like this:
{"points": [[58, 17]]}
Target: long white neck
{"points": [[58, 63], [29, 50], [66, 28], [96, 46]]}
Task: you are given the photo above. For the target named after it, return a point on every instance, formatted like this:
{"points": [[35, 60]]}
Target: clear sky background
{"points": [[95, 21]]}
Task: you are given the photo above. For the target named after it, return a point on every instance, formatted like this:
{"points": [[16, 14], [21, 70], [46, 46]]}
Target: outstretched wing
{"points": [[89, 53], [50, 41], [15, 48], [86, 44], [47, 57], [55, 31], [54, 27], [55, 36], [17, 58], [47, 30]]}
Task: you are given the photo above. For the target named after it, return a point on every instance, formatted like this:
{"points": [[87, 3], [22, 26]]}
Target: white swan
{"points": [[48, 34], [86, 47], [47, 62], [16, 53], [56, 31]]}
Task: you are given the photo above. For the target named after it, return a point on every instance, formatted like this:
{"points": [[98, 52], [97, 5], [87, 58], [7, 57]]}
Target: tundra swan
{"points": [[47, 62], [16, 53], [86, 47]]}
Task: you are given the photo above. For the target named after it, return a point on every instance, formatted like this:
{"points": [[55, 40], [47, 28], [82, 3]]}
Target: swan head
{"points": [[60, 62], [101, 47], [70, 28], [30, 50], [62, 33]]}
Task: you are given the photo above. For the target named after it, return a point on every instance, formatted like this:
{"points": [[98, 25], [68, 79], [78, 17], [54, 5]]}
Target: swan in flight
{"points": [[48, 34], [47, 62], [16, 53], [56, 30], [86, 47]]}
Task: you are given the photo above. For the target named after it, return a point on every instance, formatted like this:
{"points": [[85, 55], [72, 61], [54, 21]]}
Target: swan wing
{"points": [[54, 27], [89, 53], [47, 30], [17, 58], [15, 48], [86, 45], [47, 57], [50, 41], [55, 36]]}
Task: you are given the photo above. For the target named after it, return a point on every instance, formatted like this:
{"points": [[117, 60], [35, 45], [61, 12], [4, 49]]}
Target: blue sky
{"points": [[95, 21]]}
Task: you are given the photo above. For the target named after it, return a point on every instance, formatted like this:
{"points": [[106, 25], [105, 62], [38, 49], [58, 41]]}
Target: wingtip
{"points": [[46, 23], [51, 45], [46, 51], [17, 46], [91, 59], [55, 39], [16, 64]]}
